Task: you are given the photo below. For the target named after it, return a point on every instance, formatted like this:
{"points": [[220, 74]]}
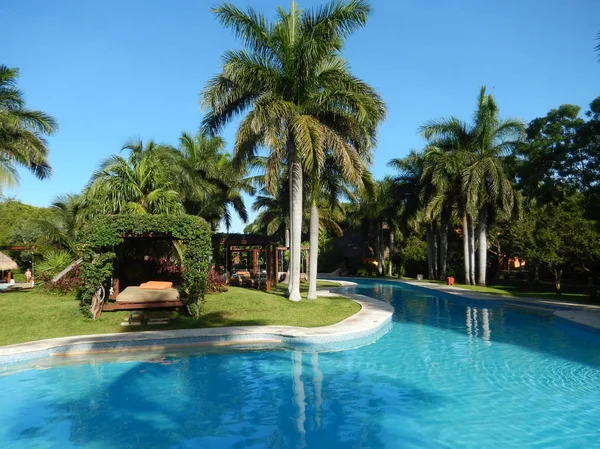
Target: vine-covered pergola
{"points": [[102, 236]]}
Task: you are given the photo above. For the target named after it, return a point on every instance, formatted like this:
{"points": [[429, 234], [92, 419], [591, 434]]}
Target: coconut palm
{"points": [[22, 132], [298, 97], [146, 182], [211, 184], [486, 188]]}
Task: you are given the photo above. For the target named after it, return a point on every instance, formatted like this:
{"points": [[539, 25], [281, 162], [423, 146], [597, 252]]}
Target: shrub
{"points": [[54, 262], [215, 283], [69, 283]]}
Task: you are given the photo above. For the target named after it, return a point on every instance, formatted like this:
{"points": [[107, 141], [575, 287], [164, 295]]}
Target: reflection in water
{"points": [[299, 397], [317, 386], [535, 384], [472, 323]]}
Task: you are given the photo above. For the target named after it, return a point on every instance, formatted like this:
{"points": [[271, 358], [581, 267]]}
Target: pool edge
{"points": [[369, 323]]}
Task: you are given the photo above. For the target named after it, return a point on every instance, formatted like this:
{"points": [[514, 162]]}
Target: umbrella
{"points": [[6, 263]]}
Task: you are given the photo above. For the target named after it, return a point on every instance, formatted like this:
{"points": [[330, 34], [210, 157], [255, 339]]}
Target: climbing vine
{"points": [[100, 238]]}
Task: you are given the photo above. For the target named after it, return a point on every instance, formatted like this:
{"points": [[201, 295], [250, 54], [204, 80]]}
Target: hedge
{"points": [[99, 239]]}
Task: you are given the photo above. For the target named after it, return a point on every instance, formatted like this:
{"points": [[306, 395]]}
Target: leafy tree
{"points": [[143, 183], [557, 236], [298, 96], [22, 132]]}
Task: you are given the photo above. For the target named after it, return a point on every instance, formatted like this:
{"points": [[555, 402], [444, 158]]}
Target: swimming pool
{"points": [[450, 373]]}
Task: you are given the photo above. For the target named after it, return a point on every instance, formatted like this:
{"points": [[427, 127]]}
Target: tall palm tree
{"points": [[211, 184], [378, 210], [328, 184], [146, 182], [298, 96], [22, 132], [487, 190]]}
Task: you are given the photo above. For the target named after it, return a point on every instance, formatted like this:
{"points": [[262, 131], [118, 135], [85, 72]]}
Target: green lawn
{"points": [[35, 314], [542, 290]]}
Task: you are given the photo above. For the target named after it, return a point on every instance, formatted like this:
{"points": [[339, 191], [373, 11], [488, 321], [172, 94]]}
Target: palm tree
{"points": [[211, 184], [146, 182], [486, 188], [22, 132], [328, 184], [297, 94], [61, 229], [378, 209]]}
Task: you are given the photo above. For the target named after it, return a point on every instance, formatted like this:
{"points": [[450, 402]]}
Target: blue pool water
{"points": [[449, 374]]}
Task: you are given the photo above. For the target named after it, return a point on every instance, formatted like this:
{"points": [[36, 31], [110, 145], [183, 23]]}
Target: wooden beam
{"points": [[141, 305]]}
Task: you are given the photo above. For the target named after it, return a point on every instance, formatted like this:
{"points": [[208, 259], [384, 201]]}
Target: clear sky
{"points": [[114, 70]]}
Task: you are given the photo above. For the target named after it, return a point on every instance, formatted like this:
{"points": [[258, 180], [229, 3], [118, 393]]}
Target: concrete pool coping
{"points": [[371, 321]]}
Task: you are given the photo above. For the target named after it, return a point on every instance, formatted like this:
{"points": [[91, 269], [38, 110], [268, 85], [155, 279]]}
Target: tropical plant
{"points": [[60, 229], [379, 209], [212, 186], [22, 132], [487, 190], [146, 182], [53, 262], [298, 96]]}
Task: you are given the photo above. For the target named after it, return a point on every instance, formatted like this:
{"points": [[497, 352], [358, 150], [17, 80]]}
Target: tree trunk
{"points": [[557, 276], [288, 276], [436, 252], [391, 254], [482, 250], [296, 234], [314, 251], [443, 251], [472, 249], [429, 240], [286, 280], [379, 248], [466, 256]]}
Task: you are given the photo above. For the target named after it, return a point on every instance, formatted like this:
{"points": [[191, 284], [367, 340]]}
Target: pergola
{"points": [[254, 244]]}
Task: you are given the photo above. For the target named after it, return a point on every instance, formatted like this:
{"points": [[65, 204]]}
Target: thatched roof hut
{"points": [[6, 263]]}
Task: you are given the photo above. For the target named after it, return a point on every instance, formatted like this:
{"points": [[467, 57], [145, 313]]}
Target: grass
{"points": [[35, 314], [543, 290]]}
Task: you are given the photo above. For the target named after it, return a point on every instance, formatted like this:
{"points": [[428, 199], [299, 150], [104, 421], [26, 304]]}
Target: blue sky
{"points": [[114, 70]]}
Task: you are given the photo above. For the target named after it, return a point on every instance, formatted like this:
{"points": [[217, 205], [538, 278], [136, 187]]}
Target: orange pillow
{"points": [[156, 285]]}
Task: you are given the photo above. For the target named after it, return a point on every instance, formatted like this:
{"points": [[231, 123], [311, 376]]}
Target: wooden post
{"points": [[255, 261], [116, 289], [276, 265], [269, 271]]}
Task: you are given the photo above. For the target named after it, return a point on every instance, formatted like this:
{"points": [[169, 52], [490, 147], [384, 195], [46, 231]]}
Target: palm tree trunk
{"points": [[430, 251], [435, 254], [290, 261], [443, 250], [391, 254], [286, 280], [314, 251], [466, 256], [381, 260], [482, 250], [471, 250], [296, 208]]}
